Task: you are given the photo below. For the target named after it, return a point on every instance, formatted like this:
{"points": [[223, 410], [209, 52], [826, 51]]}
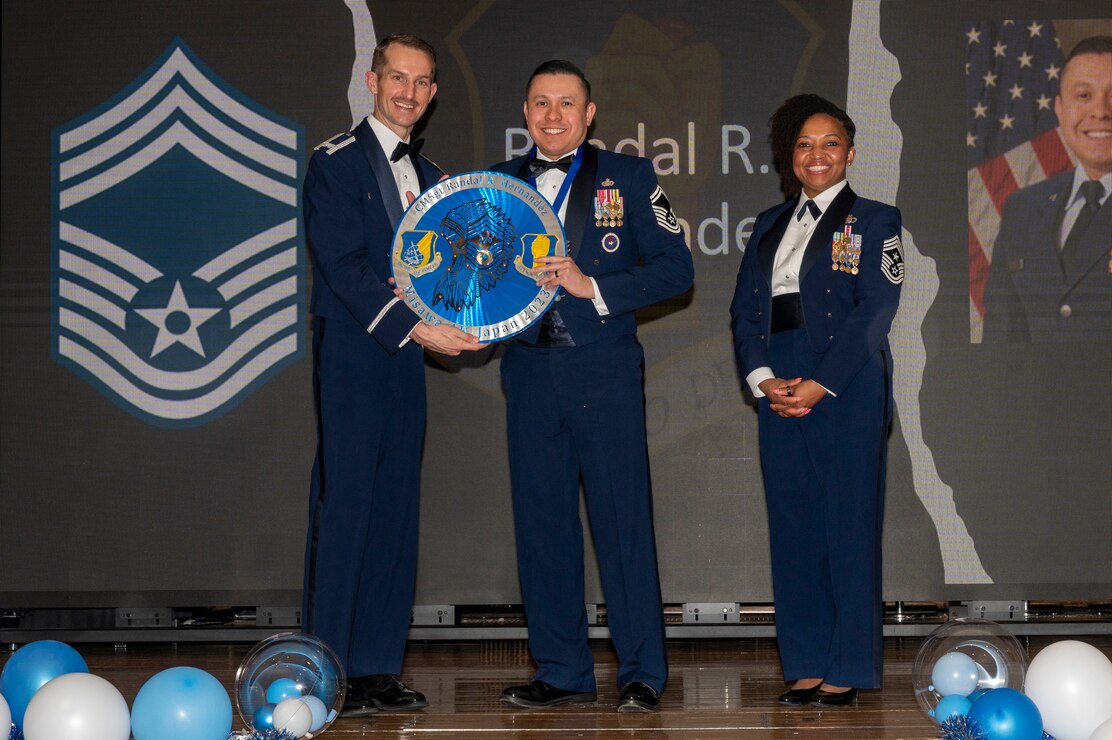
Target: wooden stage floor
{"points": [[716, 689]]}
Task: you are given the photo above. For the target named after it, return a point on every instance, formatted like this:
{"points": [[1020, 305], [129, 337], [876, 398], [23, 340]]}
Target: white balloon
{"points": [[292, 715], [77, 706], [1104, 732], [1071, 684], [5, 716], [320, 712]]}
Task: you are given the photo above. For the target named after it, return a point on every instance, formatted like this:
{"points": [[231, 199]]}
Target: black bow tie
{"points": [[403, 149], [540, 166], [811, 206]]}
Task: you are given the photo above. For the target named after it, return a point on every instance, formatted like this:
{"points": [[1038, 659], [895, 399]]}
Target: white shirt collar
{"points": [[823, 199], [543, 158], [387, 139], [1079, 177]]}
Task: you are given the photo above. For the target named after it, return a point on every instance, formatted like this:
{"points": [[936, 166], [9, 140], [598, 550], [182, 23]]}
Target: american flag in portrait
{"points": [[1012, 72]]}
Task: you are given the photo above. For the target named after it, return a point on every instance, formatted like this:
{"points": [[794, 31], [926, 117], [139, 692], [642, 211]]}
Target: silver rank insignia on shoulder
{"points": [[609, 206], [337, 142]]}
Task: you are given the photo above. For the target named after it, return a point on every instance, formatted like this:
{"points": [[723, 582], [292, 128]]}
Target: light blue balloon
{"points": [[320, 712], [182, 703], [954, 673], [1006, 714], [951, 706], [282, 689], [31, 667]]}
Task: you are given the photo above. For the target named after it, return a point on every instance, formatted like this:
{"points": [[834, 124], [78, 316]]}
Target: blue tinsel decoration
{"points": [[960, 727], [1047, 736], [15, 734], [268, 734]]}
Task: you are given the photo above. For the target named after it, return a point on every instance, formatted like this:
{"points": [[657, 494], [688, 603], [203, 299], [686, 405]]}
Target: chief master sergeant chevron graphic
{"points": [[178, 266]]}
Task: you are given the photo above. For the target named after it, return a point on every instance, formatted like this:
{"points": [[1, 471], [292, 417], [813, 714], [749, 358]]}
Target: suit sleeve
{"points": [[665, 269], [334, 223], [1005, 319], [876, 297], [746, 313]]}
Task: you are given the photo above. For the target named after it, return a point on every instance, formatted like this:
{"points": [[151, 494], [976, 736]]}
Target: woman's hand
{"points": [[793, 398]]}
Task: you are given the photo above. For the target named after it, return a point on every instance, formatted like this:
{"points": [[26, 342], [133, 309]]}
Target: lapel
{"points": [[831, 220], [380, 167], [581, 200], [772, 238]]}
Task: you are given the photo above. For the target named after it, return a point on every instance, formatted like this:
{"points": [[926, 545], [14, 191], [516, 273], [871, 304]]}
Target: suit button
{"points": [[1065, 311], [596, 263], [603, 321], [759, 313], [828, 291], [829, 315], [559, 296], [830, 338], [754, 290]]}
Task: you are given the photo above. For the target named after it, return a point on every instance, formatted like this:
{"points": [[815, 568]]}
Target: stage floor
{"points": [[716, 689]]}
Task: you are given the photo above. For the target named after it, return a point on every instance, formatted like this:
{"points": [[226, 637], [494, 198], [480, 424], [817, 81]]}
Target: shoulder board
{"points": [[337, 142]]}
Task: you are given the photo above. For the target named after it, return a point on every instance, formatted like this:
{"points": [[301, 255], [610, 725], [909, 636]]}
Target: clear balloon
{"points": [[999, 659], [77, 706], [303, 660], [1071, 684], [1006, 714], [31, 667], [182, 703]]}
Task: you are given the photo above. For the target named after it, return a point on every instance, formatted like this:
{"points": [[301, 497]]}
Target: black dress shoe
{"points": [[384, 691], [638, 697], [835, 698], [540, 694], [357, 703], [799, 697]]}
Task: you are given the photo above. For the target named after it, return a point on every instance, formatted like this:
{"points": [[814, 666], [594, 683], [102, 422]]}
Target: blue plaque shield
{"points": [[464, 252]]}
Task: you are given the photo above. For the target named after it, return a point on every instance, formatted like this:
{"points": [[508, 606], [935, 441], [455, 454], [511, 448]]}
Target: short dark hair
{"points": [[378, 59], [784, 127], [559, 67], [1090, 45]]}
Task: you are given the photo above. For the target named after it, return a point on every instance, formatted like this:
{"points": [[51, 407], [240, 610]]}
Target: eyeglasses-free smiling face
{"points": [[557, 113], [821, 154], [403, 88], [1084, 110]]}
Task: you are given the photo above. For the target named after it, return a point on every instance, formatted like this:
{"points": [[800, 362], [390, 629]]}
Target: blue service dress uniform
{"points": [[1034, 293], [580, 411], [369, 383], [824, 473]]}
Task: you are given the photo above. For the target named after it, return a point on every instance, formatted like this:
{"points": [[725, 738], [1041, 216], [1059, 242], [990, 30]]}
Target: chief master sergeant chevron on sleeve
{"points": [[369, 383]]}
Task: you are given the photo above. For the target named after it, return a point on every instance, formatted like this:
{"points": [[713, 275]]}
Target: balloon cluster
{"points": [[970, 677], [290, 682], [288, 686]]}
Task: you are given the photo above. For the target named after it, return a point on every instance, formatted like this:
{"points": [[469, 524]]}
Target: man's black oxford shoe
{"points": [[385, 692], [638, 697], [835, 698], [540, 694], [799, 697], [357, 703]]}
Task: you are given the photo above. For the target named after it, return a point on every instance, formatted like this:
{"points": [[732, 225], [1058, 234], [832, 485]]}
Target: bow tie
{"points": [[403, 149], [540, 166], [809, 206]]}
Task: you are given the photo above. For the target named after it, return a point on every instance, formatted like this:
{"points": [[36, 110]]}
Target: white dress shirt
{"points": [[405, 175]]}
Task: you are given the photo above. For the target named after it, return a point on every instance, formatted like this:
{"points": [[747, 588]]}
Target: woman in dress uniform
{"points": [[816, 294]]}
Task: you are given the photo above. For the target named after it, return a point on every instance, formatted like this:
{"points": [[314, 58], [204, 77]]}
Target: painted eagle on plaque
{"points": [[455, 247]]}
